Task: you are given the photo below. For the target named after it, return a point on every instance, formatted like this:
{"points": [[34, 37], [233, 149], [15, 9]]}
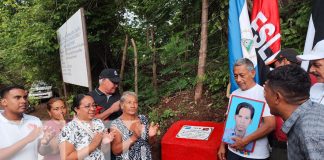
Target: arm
{"points": [[268, 126], [222, 151], [45, 145], [7, 152], [114, 108], [153, 131], [68, 152], [118, 146], [106, 141], [314, 146]]}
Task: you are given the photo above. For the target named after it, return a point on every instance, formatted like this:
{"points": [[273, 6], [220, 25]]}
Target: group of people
{"points": [[105, 125], [292, 121]]}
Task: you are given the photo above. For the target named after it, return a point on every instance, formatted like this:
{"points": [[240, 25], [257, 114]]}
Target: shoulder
{"points": [[72, 124], [143, 119], [312, 120], [317, 86], [95, 93], [98, 122], [115, 96], [32, 119], [116, 122]]}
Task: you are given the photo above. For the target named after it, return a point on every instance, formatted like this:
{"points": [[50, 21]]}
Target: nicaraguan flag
{"points": [[240, 43], [315, 32]]}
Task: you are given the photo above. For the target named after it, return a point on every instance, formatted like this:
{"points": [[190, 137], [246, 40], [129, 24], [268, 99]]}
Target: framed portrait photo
{"points": [[244, 117]]}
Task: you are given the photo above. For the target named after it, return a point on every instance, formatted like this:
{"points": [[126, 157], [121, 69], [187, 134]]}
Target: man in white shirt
{"points": [[244, 76], [316, 58], [20, 133]]}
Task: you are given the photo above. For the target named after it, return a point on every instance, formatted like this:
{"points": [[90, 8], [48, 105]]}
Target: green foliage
{"points": [[217, 76], [29, 49], [294, 23], [33, 101], [155, 116]]}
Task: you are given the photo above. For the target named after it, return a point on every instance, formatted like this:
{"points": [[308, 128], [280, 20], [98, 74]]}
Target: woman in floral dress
{"points": [[82, 137]]}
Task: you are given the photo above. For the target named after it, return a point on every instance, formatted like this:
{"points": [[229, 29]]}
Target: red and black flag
{"points": [[266, 28]]}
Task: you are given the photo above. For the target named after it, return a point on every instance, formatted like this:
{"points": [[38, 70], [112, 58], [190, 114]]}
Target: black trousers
{"points": [[279, 150], [233, 156]]}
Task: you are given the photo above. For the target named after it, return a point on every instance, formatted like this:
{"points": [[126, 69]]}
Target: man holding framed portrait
{"points": [[249, 92]]}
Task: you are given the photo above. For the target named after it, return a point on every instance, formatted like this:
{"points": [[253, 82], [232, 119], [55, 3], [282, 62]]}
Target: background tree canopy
{"points": [[29, 49]]}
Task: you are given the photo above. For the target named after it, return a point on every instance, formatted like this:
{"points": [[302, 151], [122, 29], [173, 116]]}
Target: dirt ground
{"points": [[183, 108]]}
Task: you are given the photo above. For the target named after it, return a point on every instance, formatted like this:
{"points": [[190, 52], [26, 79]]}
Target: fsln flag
{"points": [[315, 32], [266, 28], [240, 41]]}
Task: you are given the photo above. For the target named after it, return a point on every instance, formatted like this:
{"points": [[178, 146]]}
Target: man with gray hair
{"points": [[244, 77], [107, 96]]}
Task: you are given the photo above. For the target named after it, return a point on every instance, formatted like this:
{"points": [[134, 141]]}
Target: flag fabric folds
{"points": [[240, 43], [315, 32], [266, 28]]}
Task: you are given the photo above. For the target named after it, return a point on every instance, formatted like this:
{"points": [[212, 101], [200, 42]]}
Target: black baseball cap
{"points": [[111, 74], [289, 53]]}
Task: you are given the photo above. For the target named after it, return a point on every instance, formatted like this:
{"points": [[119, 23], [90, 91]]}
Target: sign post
{"points": [[74, 54]]}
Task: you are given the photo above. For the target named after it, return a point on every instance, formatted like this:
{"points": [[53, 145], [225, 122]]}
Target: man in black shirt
{"points": [[107, 96]]}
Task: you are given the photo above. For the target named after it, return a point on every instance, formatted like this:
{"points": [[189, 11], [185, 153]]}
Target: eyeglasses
{"points": [[94, 106]]}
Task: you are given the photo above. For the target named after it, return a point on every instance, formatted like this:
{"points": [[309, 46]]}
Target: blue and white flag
{"points": [[240, 40]]}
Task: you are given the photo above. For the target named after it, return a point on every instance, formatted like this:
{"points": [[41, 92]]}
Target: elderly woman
{"points": [[133, 132], [82, 137]]}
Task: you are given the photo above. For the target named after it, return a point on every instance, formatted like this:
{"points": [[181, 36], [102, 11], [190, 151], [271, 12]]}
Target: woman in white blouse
{"points": [[82, 137]]}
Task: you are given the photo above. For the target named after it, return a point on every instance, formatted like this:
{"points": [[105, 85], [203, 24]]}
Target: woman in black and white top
{"points": [[133, 132], [82, 137]]}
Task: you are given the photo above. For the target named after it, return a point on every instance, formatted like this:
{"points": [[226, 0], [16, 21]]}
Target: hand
{"points": [[136, 127], [108, 137], [221, 152], [239, 143], [153, 129], [48, 135], [96, 140], [61, 117], [33, 134]]}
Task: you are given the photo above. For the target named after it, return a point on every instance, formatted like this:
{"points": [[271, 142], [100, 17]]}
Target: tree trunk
{"points": [[122, 68], [147, 36], [154, 78], [187, 38], [135, 66], [202, 51]]}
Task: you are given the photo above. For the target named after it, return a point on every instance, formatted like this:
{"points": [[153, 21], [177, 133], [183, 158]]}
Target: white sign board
{"points": [[74, 51], [195, 132]]}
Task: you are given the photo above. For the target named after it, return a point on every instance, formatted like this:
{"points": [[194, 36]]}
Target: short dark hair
{"points": [[245, 105], [76, 101], [291, 81], [4, 91]]}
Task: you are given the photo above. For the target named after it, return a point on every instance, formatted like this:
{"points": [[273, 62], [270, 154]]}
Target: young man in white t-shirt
{"points": [[20, 133], [244, 76]]}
